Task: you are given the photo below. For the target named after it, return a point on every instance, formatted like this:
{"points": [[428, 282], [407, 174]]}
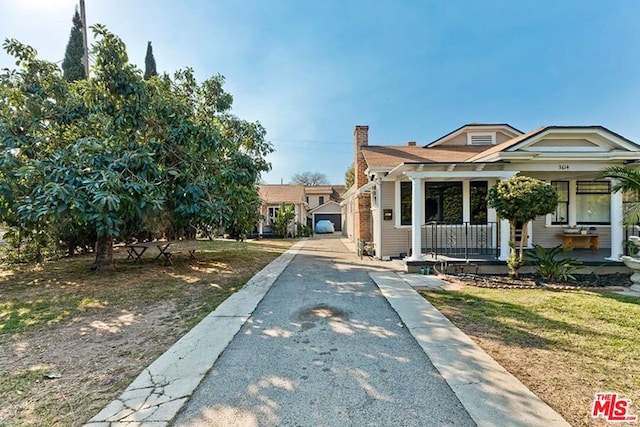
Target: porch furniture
{"points": [[578, 240], [136, 250]]}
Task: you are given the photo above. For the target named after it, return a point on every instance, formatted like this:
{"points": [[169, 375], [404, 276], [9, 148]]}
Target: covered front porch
{"points": [[454, 225]]}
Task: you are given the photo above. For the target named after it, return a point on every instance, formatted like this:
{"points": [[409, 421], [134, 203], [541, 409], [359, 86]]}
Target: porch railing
{"points": [[461, 239]]}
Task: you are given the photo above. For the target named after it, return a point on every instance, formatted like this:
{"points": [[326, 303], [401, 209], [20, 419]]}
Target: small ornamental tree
{"points": [[349, 176], [282, 219], [520, 200]]}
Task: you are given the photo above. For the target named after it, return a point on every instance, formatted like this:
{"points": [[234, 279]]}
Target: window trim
{"points": [[608, 192], [567, 204]]}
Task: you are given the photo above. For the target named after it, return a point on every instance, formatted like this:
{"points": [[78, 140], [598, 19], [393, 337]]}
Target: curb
{"points": [[490, 394], [159, 392]]}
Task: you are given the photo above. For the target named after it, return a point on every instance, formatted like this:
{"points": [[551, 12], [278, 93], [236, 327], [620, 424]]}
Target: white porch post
{"points": [[505, 235], [260, 227], [417, 199], [377, 220], [466, 201], [617, 230]]}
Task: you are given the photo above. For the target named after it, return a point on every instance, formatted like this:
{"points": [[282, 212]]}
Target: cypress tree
{"points": [[72, 67], [149, 63]]}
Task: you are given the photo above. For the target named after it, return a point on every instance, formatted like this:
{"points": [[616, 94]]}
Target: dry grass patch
{"points": [[98, 331], [564, 346]]}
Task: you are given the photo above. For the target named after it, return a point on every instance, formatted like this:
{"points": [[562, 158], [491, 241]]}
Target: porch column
{"points": [[617, 228], [377, 221], [466, 201], [260, 227], [505, 235], [417, 199]]}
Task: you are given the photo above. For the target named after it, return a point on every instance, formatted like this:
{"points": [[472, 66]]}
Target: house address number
{"points": [[563, 167]]}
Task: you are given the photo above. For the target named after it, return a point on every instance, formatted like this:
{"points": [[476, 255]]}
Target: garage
{"points": [[331, 211], [336, 219]]}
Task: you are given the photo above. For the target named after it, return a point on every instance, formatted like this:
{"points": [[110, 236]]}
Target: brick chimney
{"points": [[360, 139], [411, 144], [362, 208]]}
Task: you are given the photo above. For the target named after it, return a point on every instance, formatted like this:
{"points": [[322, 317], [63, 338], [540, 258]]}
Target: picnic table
{"points": [[136, 250]]}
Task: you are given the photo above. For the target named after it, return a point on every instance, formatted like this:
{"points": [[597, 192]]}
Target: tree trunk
{"points": [[104, 254], [523, 239]]}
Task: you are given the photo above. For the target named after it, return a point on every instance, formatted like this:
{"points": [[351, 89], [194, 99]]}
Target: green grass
{"points": [[565, 345], [88, 326]]}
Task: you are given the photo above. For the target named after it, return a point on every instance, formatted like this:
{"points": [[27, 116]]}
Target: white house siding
{"points": [[548, 236]]}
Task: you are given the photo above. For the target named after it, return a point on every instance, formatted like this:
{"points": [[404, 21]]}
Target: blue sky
{"points": [[311, 70]]}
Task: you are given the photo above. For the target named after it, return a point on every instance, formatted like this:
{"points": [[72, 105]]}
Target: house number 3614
{"points": [[563, 167]]}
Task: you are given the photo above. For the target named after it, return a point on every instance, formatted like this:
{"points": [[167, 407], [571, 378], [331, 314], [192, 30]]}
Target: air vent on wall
{"points": [[485, 138]]}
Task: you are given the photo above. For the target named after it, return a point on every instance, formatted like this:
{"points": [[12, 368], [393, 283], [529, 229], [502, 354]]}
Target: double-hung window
{"points": [[561, 215], [405, 203], [593, 202], [443, 202]]}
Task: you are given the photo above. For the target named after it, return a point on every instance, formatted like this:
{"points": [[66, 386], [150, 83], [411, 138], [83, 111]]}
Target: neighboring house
{"points": [[273, 196], [413, 200], [311, 204], [324, 203]]}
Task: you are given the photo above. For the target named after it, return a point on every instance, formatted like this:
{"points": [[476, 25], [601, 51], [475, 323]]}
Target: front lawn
{"points": [[564, 346], [96, 332]]}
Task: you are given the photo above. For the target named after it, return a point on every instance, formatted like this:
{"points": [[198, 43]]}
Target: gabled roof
{"points": [[519, 140], [281, 193], [319, 189], [499, 147], [390, 155], [474, 126], [332, 202]]}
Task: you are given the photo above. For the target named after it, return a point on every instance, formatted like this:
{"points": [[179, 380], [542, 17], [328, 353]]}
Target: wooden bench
{"points": [[578, 240], [168, 255]]}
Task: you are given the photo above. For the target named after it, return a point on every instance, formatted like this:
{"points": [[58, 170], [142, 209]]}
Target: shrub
{"points": [[550, 266]]}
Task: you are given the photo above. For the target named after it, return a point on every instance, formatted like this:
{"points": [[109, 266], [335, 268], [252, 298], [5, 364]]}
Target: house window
{"points": [[405, 203], [561, 215], [273, 211], [593, 202], [307, 199], [479, 190], [443, 202], [321, 200], [481, 138]]}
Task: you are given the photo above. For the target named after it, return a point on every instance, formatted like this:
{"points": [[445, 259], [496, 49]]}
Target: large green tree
{"points": [[521, 199], [116, 155], [149, 63], [72, 66]]}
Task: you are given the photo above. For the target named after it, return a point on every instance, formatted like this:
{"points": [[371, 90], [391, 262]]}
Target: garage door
{"points": [[336, 219]]}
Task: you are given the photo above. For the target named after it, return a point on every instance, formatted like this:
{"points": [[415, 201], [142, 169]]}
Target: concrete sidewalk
{"points": [[325, 347]]}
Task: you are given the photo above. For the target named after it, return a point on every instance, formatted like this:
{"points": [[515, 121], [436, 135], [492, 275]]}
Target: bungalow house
{"points": [[273, 196], [311, 204], [412, 201]]}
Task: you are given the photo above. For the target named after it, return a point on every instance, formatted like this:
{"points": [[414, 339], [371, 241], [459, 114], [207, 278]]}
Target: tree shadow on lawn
{"points": [[509, 323]]}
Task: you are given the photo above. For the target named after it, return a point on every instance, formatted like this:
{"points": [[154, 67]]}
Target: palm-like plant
{"points": [[627, 180]]}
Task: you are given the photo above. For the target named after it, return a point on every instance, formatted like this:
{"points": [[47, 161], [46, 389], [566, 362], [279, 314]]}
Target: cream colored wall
{"points": [[394, 240], [549, 236]]}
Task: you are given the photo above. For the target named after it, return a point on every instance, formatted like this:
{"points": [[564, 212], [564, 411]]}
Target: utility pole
{"points": [[85, 57]]}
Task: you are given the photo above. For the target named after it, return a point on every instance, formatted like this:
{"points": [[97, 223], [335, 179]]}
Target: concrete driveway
{"points": [[323, 348]]}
